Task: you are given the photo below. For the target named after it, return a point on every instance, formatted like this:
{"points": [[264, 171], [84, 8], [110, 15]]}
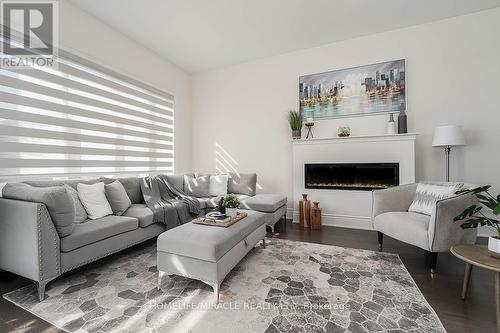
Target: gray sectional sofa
{"points": [[40, 245]]}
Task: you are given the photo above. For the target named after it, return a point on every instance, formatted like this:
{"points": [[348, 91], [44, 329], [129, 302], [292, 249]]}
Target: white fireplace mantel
{"points": [[350, 208], [361, 138]]}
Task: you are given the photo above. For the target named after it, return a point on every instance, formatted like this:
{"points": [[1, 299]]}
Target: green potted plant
{"points": [[474, 217], [344, 131], [231, 203], [295, 121]]}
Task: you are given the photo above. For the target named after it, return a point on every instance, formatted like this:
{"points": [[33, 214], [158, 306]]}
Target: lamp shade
{"points": [[451, 135]]}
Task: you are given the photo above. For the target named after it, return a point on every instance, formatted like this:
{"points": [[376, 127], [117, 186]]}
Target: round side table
{"points": [[477, 255]]}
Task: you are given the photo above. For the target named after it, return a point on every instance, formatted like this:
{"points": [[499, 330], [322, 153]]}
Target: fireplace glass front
{"points": [[351, 176]]}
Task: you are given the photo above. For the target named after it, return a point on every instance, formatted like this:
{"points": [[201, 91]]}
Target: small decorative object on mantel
{"points": [[315, 216], [309, 126], [474, 216], [344, 131], [304, 211], [402, 121], [295, 121], [231, 203], [391, 125]]}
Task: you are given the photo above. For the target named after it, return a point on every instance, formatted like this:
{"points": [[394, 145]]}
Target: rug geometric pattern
{"points": [[287, 287]]}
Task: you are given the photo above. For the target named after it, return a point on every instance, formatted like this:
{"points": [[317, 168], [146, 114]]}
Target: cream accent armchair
{"points": [[435, 233]]}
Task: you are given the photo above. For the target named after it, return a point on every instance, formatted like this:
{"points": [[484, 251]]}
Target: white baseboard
{"points": [[354, 222], [343, 221]]}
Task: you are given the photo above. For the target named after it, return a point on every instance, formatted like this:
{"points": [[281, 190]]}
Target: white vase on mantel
{"points": [[391, 125], [494, 246]]}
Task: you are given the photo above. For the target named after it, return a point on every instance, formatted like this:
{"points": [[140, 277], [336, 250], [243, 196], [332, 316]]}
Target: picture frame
{"points": [[357, 91]]}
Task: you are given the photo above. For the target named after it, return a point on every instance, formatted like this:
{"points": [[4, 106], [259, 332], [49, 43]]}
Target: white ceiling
{"points": [[203, 34]]}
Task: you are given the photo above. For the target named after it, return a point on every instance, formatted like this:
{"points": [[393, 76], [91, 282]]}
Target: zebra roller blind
{"points": [[82, 119]]}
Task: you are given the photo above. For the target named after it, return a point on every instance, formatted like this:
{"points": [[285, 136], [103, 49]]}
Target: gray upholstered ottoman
{"points": [[208, 253]]}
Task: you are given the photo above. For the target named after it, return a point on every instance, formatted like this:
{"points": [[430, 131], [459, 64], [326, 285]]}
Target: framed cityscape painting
{"points": [[363, 90]]}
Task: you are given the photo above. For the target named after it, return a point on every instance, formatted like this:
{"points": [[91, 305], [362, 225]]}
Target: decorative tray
{"points": [[225, 224]]}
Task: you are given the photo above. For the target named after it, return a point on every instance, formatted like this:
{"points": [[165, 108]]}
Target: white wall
{"points": [[88, 37], [453, 71]]}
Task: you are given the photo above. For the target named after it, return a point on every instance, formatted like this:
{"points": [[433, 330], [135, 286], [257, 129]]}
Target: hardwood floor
{"points": [[442, 291]]}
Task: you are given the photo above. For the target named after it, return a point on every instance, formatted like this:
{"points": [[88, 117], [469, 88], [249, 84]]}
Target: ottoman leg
{"points": [[160, 275], [264, 243], [216, 293]]}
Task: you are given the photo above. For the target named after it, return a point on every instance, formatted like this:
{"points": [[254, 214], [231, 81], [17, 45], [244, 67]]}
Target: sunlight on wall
{"points": [[225, 163]]}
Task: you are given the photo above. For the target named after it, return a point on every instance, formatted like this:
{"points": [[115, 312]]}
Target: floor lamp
{"points": [[447, 137]]}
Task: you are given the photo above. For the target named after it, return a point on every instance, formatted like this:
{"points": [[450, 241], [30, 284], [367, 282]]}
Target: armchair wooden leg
{"points": [[433, 261], [380, 240]]}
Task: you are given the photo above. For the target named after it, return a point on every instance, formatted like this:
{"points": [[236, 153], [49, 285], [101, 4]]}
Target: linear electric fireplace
{"points": [[351, 176]]}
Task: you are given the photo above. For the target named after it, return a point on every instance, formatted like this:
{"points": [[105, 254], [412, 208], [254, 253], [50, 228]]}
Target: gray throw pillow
{"points": [[197, 187], [56, 198], [80, 212], [117, 197], [133, 187], [244, 183]]}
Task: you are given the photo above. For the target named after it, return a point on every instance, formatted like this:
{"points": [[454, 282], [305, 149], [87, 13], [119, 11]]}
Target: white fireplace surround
{"points": [[350, 208]]}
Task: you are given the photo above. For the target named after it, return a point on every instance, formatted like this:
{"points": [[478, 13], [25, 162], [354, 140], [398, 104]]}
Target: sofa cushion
{"points": [[58, 202], [218, 185], [44, 183], [197, 187], [210, 202], [117, 197], [132, 186], [140, 212], [203, 202], [80, 212], [243, 183], [207, 242], [93, 198], [411, 228], [74, 182], [264, 202], [92, 231], [177, 181]]}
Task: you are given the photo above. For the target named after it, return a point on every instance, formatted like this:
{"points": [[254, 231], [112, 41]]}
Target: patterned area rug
{"points": [[287, 287]]}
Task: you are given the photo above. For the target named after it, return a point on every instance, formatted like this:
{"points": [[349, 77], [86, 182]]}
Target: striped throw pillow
{"points": [[427, 194]]}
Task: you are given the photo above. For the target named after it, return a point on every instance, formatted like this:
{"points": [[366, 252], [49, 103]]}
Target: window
{"points": [[82, 119]]}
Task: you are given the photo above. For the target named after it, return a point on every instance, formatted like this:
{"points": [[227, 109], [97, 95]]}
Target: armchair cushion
{"points": [[408, 227]]}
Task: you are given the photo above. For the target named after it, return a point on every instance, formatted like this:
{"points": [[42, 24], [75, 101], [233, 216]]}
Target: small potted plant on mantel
{"points": [[231, 203], [295, 121], [475, 217]]}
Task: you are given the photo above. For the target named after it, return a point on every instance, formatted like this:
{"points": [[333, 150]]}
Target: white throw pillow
{"points": [[218, 185], [427, 194], [93, 198]]}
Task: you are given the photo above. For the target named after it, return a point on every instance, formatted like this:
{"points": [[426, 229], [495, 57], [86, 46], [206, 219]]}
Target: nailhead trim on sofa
{"points": [[41, 208]]}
